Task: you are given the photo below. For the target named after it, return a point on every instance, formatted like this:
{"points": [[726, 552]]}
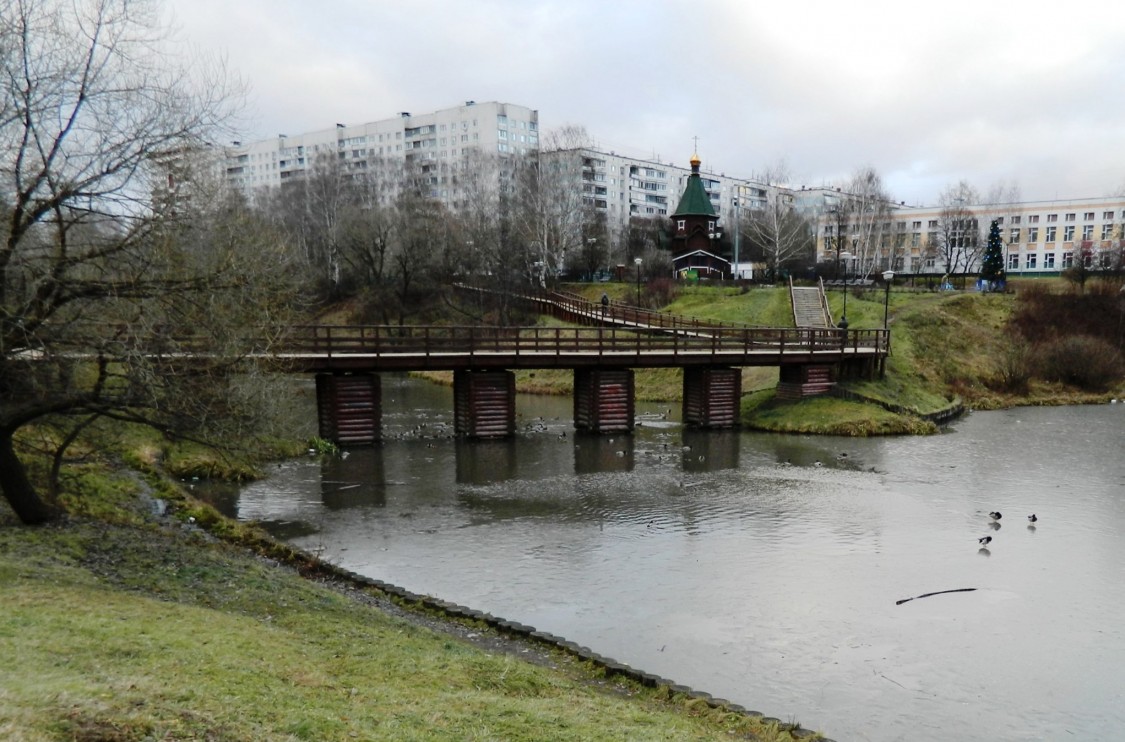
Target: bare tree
{"points": [[957, 241], [776, 231], [553, 211], [864, 209], [104, 249]]}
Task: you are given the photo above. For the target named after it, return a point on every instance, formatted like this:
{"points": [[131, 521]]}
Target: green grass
{"points": [[947, 348], [116, 625], [131, 632]]}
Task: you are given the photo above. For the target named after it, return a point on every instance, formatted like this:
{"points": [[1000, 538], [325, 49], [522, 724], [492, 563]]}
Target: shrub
{"points": [[1013, 367], [1086, 362]]}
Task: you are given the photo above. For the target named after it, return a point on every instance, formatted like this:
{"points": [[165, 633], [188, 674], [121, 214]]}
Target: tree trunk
{"points": [[17, 488]]}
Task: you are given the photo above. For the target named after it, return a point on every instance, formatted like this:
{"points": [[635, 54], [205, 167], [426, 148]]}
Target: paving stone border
{"points": [[608, 665]]}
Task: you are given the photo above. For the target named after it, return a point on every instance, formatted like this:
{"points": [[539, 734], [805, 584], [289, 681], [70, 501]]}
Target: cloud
{"points": [[927, 95]]}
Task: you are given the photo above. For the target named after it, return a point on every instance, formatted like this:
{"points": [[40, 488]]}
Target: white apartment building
{"points": [[622, 187], [1040, 237], [432, 145]]}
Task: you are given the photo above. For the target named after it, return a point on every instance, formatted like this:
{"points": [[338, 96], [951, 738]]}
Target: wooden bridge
{"points": [[617, 339]]}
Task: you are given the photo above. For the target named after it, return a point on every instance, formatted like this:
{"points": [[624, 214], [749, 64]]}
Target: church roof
{"points": [[695, 201]]}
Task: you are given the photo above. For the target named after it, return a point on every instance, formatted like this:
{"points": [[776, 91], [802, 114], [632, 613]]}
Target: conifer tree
{"points": [[992, 265]]}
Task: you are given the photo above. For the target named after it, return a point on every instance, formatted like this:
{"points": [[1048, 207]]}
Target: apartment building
{"points": [[432, 147], [623, 187], [1040, 237]]}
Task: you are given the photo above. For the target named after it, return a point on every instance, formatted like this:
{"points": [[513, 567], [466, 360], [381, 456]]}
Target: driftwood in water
{"points": [[939, 592]]}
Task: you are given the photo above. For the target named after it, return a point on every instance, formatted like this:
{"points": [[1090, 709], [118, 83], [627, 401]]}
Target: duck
{"points": [[1033, 517], [984, 540], [995, 515]]}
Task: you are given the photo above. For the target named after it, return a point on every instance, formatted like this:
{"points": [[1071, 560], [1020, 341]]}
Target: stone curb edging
{"points": [[609, 666], [954, 410]]}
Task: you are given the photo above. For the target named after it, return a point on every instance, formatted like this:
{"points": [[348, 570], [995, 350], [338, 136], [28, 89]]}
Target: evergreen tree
{"points": [[992, 265]]}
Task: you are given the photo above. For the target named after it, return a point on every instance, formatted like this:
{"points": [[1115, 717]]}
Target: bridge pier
{"points": [[712, 396], [805, 380], [603, 400], [349, 408], [484, 404]]}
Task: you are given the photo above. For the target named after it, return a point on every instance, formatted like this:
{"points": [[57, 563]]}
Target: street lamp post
{"points": [[637, 262], [737, 230], [843, 324], [714, 234], [888, 276]]}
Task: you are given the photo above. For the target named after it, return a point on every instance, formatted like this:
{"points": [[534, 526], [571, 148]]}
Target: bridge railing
{"points": [[337, 340]]}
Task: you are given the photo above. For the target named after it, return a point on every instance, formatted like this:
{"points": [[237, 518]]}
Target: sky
{"points": [[994, 93]]}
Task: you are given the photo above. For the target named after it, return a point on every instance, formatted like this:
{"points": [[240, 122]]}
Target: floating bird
{"points": [[985, 540], [995, 515], [1033, 517]]}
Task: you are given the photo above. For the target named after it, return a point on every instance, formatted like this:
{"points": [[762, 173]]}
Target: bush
{"points": [[1086, 362], [1013, 367]]}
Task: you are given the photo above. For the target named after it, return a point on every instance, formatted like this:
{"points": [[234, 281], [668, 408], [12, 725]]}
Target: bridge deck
{"points": [[416, 348]]}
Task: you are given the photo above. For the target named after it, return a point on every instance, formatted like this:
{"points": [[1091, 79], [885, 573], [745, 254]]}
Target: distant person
{"points": [[605, 303]]}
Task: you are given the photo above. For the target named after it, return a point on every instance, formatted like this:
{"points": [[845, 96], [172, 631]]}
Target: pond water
{"points": [[759, 568]]}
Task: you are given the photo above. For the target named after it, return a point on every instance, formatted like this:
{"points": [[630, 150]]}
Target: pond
{"points": [[768, 570]]}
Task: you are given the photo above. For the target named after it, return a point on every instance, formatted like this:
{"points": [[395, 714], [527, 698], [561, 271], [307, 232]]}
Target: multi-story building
{"points": [[433, 147], [623, 187], [1040, 237]]}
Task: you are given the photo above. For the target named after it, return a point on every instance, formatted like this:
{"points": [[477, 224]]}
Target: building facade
{"points": [[1040, 237], [433, 147]]}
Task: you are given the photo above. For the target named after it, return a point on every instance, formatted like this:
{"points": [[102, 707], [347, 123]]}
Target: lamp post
{"points": [[714, 234], [737, 231], [843, 324], [637, 262], [839, 228], [888, 276]]}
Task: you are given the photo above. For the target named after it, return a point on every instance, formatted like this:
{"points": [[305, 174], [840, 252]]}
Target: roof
{"points": [[695, 201]]}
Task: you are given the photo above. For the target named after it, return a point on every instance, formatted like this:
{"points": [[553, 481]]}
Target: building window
{"points": [[1069, 217], [1049, 260], [1015, 220], [680, 224], [1107, 231], [999, 220], [1031, 261], [1033, 219], [1052, 217], [1013, 261], [1051, 233], [1087, 231], [1108, 216], [1068, 260], [1014, 236], [932, 224], [1088, 216], [1033, 234], [915, 239], [1068, 233], [916, 225]]}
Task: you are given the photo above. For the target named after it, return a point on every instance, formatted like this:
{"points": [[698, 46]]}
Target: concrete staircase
{"points": [[810, 307]]}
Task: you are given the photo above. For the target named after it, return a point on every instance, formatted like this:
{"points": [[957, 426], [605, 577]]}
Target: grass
{"points": [[121, 625]]}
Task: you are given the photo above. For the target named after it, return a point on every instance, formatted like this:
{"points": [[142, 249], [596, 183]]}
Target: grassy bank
{"points": [[146, 615], [947, 349]]}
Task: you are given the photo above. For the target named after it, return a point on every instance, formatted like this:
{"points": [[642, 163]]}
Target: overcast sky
{"points": [[986, 91]]}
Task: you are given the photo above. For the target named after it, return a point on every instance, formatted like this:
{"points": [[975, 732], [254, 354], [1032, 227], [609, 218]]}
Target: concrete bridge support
{"points": [[603, 400], [349, 408], [807, 380], [712, 396], [484, 404]]}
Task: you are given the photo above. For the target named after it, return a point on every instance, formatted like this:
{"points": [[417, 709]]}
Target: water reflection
{"points": [[355, 479], [710, 450], [595, 454], [483, 462]]}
